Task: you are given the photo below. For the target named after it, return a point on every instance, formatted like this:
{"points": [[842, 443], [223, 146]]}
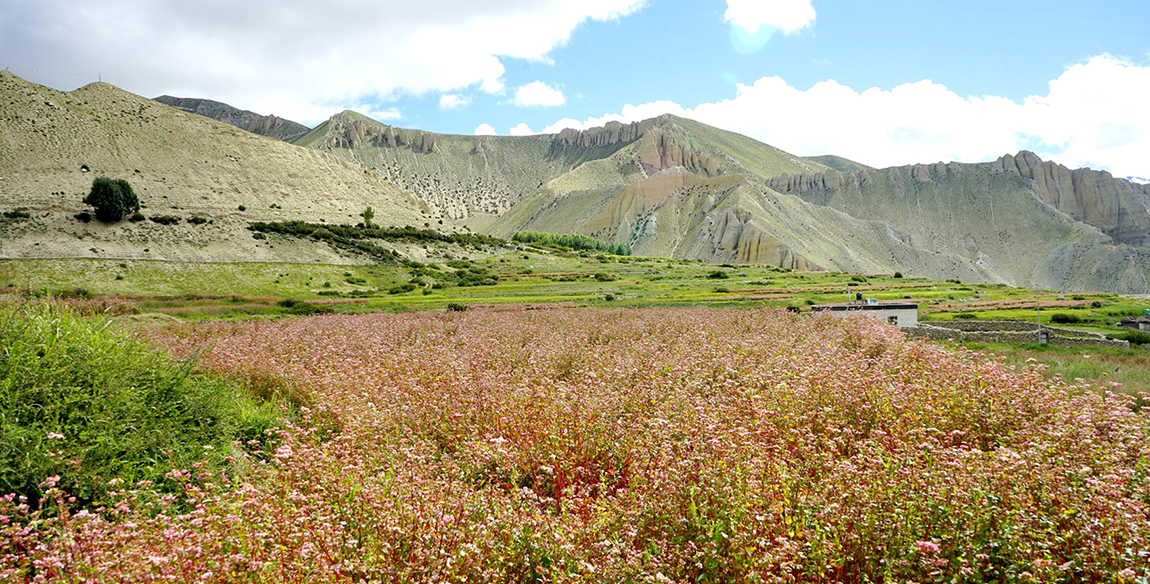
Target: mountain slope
{"points": [[669, 186], [52, 145], [994, 217], [270, 126]]}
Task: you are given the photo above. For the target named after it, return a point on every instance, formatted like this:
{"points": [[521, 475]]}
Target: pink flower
{"points": [[926, 547], [55, 436]]}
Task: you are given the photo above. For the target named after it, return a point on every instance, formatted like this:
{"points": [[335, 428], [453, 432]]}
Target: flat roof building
{"points": [[902, 314]]}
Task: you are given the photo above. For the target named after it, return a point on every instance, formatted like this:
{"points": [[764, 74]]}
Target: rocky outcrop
{"points": [[734, 231], [659, 150], [609, 134], [348, 132], [270, 126], [1118, 207]]}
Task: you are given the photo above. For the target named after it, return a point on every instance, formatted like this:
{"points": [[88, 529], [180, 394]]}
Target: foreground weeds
{"points": [[626, 446]]}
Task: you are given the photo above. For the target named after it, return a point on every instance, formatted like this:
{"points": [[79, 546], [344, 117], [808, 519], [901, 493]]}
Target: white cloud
{"points": [[390, 47], [382, 115], [789, 16], [521, 130], [1093, 115], [484, 130], [450, 101], [538, 94]]}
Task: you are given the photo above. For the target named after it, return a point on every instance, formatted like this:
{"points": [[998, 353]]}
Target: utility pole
{"points": [[1038, 311]]}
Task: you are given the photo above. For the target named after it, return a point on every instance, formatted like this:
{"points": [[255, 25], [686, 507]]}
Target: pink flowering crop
{"points": [[638, 445]]}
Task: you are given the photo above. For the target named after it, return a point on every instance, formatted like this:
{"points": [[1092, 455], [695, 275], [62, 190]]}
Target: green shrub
{"points": [[136, 217], [197, 220], [112, 199], [965, 316], [898, 274], [457, 307], [718, 275], [301, 308], [570, 241], [1062, 318], [89, 405], [17, 215], [164, 219], [401, 288], [1135, 337]]}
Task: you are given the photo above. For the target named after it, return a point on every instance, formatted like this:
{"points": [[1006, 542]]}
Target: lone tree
{"points": [[112, 199], [368, 214]]}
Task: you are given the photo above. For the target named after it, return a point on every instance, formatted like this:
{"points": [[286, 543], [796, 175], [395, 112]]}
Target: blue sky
{"points": [[884, 82]]}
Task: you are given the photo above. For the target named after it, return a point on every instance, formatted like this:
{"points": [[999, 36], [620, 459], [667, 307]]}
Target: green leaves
{"points": [[112, 199]]}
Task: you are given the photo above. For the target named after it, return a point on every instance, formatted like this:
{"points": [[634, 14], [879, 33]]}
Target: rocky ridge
{"points": [[270, 126], [996, 216], [1118, 207]]}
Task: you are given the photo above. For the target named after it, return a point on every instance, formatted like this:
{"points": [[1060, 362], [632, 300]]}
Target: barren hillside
{"points": [[52, 144]]}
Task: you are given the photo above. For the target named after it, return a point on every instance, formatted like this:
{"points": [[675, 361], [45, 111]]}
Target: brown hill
{"points": [[270, 126], [52, 145]]}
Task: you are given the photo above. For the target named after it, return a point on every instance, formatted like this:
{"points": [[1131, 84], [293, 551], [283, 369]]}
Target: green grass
{"points": [[533, 275], [1101, 366], [89, 405]]}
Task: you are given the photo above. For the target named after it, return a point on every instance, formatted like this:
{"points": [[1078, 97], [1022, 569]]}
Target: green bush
{"points": [[570, 241], [164, 219], [718, 275], [1135, 337], [17, 215], [1062, 318], [89, 405], [457, 307], [112, 199], [299, 307]]}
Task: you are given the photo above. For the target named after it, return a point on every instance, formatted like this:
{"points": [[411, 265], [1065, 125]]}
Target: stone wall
{"points": [[1009, 331]]}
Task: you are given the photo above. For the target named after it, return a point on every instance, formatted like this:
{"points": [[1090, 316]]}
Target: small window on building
{"points": [[892, 319]]}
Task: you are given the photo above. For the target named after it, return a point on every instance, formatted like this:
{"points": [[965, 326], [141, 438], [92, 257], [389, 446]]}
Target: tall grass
{"points": [[86, 404]]}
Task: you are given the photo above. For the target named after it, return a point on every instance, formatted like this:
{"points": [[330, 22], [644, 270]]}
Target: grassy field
{"points": [[558, 278], [535, 275]]}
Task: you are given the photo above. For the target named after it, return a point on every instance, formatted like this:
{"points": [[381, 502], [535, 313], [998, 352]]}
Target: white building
{"points": [[903, 314]]}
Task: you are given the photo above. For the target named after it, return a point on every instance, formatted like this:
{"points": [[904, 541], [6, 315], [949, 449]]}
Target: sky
{"points": [[883, 82]]}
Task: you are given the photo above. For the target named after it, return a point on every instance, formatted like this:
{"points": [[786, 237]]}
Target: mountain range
{"points": [[666, 186]]}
